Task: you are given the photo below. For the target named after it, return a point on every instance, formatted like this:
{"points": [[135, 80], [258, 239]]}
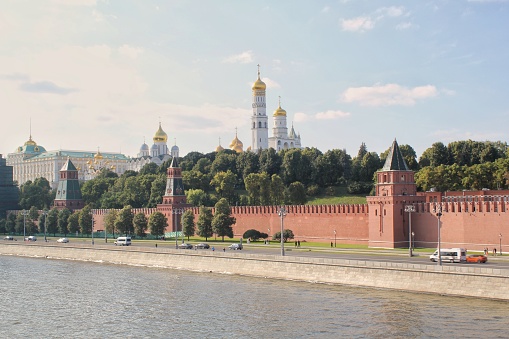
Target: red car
{"points": [[478, 258]]}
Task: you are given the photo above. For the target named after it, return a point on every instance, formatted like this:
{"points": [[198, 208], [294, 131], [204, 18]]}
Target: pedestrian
{"points": [[298, 242], [494, 251], [224, 249], [213, 249], [331, 244], [156, 245], [295, 243]]}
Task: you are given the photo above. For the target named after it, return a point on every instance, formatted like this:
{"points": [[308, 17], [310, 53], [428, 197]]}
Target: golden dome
{"points": [[279, 112], [219, 148], [30, 142], [160, 135], [98, 155], [259, 84], [236, 145]]}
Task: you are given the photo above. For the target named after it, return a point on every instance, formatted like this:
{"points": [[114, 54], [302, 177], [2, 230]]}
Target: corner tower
{"points": [[259, 128], [395, 189]]}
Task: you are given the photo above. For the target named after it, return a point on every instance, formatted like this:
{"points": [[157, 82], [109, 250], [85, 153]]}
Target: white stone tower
{"points": [[259, 128]]}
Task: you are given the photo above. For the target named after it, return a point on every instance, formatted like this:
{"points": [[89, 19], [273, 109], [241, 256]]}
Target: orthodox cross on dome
{"points": [[175, 141], [258, 70], [219, 141], [235, 131], [279, 100]]}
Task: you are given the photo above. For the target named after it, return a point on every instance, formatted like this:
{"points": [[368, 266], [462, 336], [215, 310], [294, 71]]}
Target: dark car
{"points": [[478, 258], [202, 246], [186, 246]]}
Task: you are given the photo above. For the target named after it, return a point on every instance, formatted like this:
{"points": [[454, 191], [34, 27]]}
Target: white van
{"points": [[123, 241], [450, 255]]}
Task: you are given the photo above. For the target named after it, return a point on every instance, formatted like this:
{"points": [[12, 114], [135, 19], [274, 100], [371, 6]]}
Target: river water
{"points": [[41, 298]]}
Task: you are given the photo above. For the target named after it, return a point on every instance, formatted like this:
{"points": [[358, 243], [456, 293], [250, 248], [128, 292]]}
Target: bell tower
{"points": [[259, 128], [395, 188]]}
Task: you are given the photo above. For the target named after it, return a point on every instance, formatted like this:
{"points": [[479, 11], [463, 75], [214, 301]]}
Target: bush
{"points": [[252, 234], [358, 187], [330, 191], [313, 190]]}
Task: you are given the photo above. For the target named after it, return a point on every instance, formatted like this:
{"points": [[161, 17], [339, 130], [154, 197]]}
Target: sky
{"points": [[102, 74]]}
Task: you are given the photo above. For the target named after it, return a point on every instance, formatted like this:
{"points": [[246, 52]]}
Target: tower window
{"points": [[260, 124]]}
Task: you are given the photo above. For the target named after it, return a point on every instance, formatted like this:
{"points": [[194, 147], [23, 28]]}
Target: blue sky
{"points": [[103, 73]]}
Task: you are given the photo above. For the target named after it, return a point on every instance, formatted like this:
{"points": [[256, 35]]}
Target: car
{"points": [[186, 246], [63, 240], [202, 246], [478, 258], [235, 246], [31, 238], [9, 237]]}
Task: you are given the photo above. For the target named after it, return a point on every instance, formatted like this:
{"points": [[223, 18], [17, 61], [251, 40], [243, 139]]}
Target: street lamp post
{"points": [[282, 214], [334, 238], [439, 214], [45, 213], [500, 236], [413, 240], [410, 209], [268, 236], [25, 213]]}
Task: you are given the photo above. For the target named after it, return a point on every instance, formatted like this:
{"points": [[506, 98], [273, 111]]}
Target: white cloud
{"points": [[130, 51], [359, 24], [331, 115], [75, 2], [327, 115], [368, 22], [325, 9], [404, 25], [270, 83], [242, 58], [388, 95]]}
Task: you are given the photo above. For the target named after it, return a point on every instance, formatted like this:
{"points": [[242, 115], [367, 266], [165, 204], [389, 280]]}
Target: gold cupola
{"points": [[259, 85], [279, 112], [160, 135], [98, 155], [236, 145], [219, 148]]}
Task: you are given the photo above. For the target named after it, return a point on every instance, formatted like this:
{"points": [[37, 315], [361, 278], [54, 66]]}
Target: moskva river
{"points": [[42, 298]]}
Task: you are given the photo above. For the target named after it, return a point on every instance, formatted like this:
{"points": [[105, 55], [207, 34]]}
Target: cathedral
{"points": [[157, 154]]}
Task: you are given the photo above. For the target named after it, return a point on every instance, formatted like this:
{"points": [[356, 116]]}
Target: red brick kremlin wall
{"points": [[473, 225]]}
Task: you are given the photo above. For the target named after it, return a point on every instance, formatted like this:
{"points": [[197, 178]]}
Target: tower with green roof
{"points": [[68, 190], [395, 189]]}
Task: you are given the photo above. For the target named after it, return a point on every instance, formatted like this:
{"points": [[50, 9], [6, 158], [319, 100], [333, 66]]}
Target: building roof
{"points": [[68, 166], [79, 154], [395, 160]]}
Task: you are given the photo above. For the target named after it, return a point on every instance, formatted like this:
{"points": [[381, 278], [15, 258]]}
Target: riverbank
{"points": [[479, 281]]}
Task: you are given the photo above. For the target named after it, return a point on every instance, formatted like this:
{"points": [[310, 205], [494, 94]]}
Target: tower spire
{"points": [[258, 71]]}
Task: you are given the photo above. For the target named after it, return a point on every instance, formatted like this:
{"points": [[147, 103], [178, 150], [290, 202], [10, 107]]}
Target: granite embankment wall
{"points": [[478, 281]]}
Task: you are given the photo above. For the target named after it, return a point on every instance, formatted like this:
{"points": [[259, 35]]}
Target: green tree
{"points": [[223, 221], [277, 190], [124, 221], [197, 197], [436, 155], [85, 220], [295, 166], [269, 161], [157, 190], [10, 224], [36, 193], [224, 183], [150, 168], [140, 222], [224, 162], [252, 184], [287, 234], [63, 221], [247, 163], [188, 224], [73, 223], [41, 221], [109, 221], [20, 222], [52, 222], [157, 223], [296, 193], [204, 223]]}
